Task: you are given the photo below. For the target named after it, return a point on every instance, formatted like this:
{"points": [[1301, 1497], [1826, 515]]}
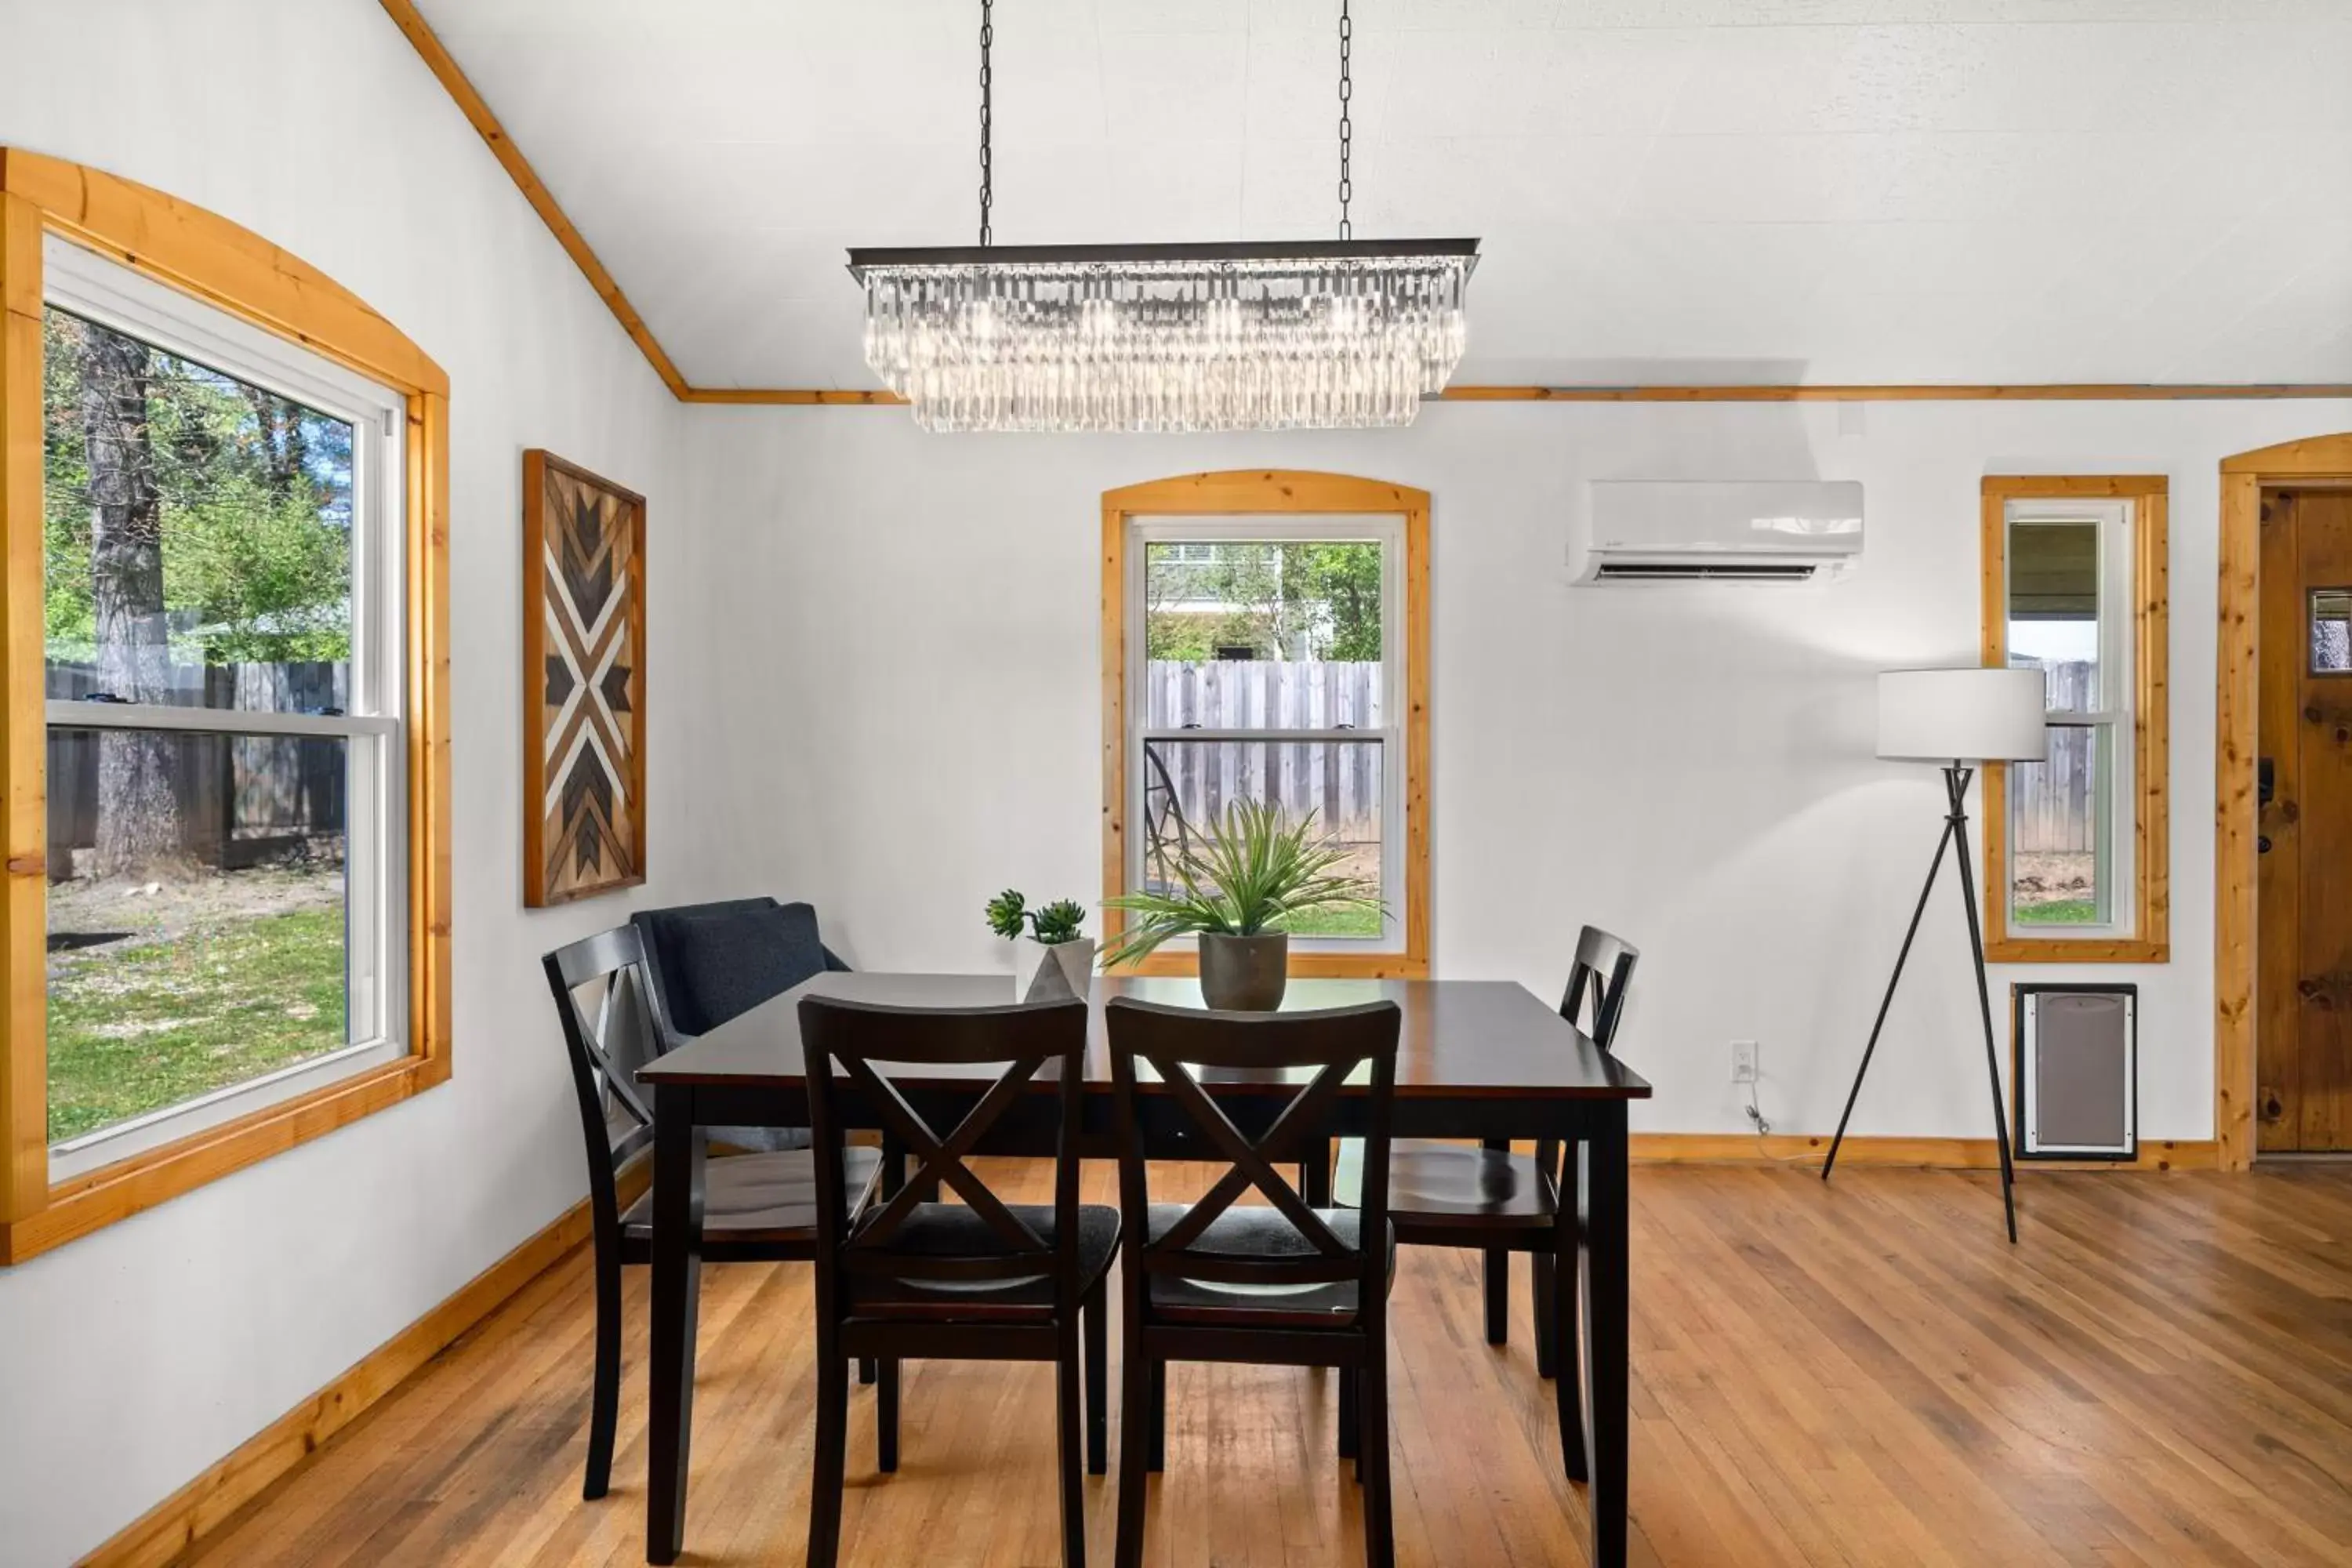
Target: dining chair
{"points": [[1494, 1200], [756, 1207], [977, 1280], [1272, 1284]]}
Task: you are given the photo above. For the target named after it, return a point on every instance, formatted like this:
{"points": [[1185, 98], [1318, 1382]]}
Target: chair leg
{"points": [[1134, 1443], [885, 1417], [1546, 1289], [605, 1397], [1498, 1297], [1094, 1316], [1351, 1421], [1568, 1386], [832, 1456], [1071, 1443], [866, 1370], [1157, 1430], [1380, 1536]]}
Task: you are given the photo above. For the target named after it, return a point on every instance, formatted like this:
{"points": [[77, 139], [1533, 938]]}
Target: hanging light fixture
{"points": [[1315, 334]]}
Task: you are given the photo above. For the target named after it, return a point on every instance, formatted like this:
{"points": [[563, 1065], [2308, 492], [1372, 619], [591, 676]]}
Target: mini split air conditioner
{"points": [[1670, 530]]}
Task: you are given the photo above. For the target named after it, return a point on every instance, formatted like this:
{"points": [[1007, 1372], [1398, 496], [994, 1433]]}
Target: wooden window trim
{"points": [[2151, 722], [216, 261], [1264, 492]]}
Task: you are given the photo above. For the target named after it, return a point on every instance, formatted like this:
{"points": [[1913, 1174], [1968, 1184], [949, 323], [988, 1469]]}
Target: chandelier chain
{"points": [[987, 116], [1347, 126]]}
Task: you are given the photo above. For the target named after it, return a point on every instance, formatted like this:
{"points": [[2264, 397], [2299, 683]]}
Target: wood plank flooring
{"points": [[1862, 1373]]}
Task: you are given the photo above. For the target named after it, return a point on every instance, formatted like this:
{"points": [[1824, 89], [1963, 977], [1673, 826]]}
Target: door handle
{"points": [[2265, 782]]}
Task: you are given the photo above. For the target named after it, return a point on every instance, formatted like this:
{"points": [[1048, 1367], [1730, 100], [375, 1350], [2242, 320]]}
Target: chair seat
{"points": [[1431, 1183], [764, 1198], [954, 1230], [1256, 1231]]}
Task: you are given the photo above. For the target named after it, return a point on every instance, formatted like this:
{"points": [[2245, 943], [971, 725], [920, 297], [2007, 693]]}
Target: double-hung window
{"points": [[223, 590], [2074, 843], [1264, 651]]}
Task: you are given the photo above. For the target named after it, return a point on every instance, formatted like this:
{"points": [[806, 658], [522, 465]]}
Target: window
{"points": [[2076, 849], [221, 594], [226, 917], [1262, 645]]}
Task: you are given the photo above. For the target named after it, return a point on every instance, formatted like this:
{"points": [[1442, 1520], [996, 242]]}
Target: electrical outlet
{"points": [[1743, 1062]]}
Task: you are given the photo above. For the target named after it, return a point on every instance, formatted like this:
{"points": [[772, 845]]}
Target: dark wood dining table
{"points": [[1476, 1058]]}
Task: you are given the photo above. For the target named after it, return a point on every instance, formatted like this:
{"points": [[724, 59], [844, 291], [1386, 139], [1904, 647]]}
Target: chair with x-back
{"points": [[1276, 1283], [1501, 1201], [756, 1207], [981, 1280]]}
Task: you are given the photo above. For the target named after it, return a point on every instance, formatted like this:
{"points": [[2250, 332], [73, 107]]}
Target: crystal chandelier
{"points": [[1334, 334]]}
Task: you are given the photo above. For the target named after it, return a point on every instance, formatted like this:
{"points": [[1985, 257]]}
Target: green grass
{"points": [[2060, 912], [134, 1028], [1338, 922]]}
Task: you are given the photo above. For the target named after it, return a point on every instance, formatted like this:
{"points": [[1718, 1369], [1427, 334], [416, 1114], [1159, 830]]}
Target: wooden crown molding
{"points": [[444, 67], [438, 60]]}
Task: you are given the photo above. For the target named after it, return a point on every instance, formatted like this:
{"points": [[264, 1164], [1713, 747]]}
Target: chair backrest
{"points": [[1334, 1044], [1604, 968], [845, 1044], [602, 999], [710, 963]]}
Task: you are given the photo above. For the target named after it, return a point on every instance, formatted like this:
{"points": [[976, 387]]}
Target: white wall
{"points": [[914, 624], [132, 1359]]}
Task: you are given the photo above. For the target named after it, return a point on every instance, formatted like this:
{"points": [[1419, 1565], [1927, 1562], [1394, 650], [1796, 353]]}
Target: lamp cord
{"points": [[987, 107], [1347, 126]]}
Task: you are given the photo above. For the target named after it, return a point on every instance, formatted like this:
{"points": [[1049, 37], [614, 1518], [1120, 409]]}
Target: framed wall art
{"points": [[583, 645]]}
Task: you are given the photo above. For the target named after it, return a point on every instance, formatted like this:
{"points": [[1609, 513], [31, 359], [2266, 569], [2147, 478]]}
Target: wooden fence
{"points": [[1338, 781], [240, 798], [2052, 808]]}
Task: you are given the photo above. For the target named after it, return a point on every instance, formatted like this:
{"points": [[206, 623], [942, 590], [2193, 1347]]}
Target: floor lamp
{"points": [[1957, 719]]}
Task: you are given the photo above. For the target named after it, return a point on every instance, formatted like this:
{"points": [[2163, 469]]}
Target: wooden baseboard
{"points": [[1952, 1153], [171, 1526]]}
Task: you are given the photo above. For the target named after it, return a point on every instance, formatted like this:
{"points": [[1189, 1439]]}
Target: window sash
{"points": [[1388, 533], [376, 849], [2114, 800]]}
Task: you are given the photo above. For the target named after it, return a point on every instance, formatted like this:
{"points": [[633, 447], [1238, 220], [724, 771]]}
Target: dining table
{"points": [[1478, 1059]]}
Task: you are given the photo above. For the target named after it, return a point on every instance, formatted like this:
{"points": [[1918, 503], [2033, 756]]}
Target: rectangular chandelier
{"points": [[1314, 334]]}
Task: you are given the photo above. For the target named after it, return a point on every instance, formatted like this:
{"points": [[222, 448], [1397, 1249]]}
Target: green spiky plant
{"points": [[1053, 925], [1255, 875]]}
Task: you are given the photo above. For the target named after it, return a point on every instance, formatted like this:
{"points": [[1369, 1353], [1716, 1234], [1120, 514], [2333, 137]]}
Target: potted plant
{"points": [[1238, 891], [1051, 959]]}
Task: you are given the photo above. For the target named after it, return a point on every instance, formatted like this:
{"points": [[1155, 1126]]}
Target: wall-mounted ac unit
{"points": [[1674, 531]]}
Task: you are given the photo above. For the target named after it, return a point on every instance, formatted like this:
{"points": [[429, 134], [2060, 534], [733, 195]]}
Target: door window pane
{"points": [[197, 531], [2331, 631], [2054, 609], [1263, 635], [2060, 832], [1187, 785], [197, 920]]}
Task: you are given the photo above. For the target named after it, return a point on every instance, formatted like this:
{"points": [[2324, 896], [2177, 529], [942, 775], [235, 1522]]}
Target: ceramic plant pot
{"points": [[1051, 971], [1244, 974]]}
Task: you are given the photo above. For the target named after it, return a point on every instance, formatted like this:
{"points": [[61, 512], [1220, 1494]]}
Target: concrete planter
{"points": [[1244, 974], [1051, 971]]}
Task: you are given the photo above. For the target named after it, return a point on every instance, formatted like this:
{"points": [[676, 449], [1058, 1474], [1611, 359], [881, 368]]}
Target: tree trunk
{"points": [[139, 829]]}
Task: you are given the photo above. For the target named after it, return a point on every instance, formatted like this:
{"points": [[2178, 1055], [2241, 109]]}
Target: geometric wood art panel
{"points": [[583, 683]]}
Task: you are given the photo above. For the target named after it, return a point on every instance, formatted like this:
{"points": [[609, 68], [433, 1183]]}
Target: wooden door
{"points": [[2303, 1100]]}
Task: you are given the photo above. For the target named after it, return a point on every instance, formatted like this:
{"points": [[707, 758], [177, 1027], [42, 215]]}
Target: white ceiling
{"points": [[1667, 190]]}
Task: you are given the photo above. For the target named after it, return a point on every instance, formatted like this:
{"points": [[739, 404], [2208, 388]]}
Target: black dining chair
{"points": [[1500, 1202], [1271, 1284], [756, 1207], [977, 1280]]}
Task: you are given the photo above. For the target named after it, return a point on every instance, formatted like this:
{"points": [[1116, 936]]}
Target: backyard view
{"points": [[196, 555], [1267, 636]]}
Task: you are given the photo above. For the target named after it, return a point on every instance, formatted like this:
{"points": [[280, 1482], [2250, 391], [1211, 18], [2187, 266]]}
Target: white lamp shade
{"points": [[1962, 715]]}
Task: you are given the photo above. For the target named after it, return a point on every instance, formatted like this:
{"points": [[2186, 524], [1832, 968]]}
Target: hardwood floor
{"points": [[1860, 1374]]}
